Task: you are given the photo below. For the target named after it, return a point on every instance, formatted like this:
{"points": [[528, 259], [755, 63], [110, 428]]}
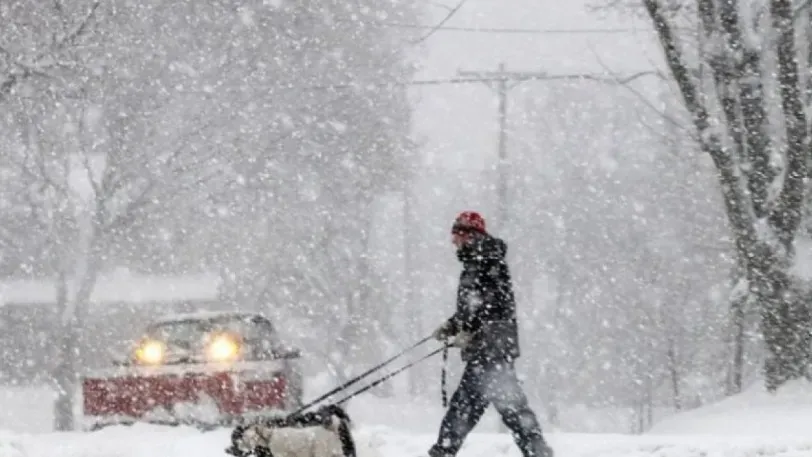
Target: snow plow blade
{"points": [[159, 396], [206, 369]]}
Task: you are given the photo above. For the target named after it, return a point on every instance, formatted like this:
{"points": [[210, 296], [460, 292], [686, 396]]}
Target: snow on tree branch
{"points": [[17, 65], [787, 215]]}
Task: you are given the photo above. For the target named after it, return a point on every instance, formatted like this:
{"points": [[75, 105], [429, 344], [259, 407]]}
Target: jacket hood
{"points": [[484, 247]]}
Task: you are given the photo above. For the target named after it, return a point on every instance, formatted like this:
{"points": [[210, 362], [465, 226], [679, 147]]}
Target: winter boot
{"points": [[540, 449], [437, 451]]}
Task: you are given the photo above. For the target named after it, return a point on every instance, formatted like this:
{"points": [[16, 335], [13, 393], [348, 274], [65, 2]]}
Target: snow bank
{"points": [[788, 412], [10, 445], [26, 409]]}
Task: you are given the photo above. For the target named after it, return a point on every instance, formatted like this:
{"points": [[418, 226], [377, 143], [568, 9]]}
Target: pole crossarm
{"points": [[490, 77]]}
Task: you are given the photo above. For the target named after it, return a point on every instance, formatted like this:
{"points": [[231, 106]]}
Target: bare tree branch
{"points": [[718, 60], [440, 24], [744, 70], [80, 28], [677, 65], [39, 64], [739, 210], [91, 176], [787, 214], [800, 9], [624, 82], [126, 216]]}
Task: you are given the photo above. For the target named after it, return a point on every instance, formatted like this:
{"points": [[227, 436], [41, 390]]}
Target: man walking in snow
{"points": [[484, 327]]}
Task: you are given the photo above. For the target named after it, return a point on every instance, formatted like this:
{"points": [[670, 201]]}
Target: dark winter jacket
{"points": [[486, 307]]}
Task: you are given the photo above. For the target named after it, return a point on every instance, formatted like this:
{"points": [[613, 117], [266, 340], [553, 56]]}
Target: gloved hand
{"points": [[443, 332], [461, 340]]}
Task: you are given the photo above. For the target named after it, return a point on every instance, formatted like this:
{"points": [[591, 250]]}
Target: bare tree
{"points": [[93, 161], [80, 196]]}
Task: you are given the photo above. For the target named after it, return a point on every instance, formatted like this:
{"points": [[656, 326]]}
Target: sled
{"points": [[324, 432]]}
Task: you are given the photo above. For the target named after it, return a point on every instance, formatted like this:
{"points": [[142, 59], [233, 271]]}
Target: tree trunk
{"points": [[737, 306], [72, 310], [722, 70], [785, 324], [673, 374], [739, 300], [63, 374], [643, 410], [785, 320], [649, 403], [71, 348]]}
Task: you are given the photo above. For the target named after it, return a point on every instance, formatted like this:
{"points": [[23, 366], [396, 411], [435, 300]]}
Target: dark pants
{"points": [[484, 383]]}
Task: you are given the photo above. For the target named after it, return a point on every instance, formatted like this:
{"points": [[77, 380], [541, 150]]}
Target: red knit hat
{"points": [[469, 221]]}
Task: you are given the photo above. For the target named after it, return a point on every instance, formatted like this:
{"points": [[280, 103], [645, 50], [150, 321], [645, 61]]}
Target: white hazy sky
{"points": [[458, 123]]}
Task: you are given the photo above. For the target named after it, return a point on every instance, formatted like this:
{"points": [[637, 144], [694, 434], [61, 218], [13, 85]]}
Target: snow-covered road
{"points": [[752, 424], [153, 441]]}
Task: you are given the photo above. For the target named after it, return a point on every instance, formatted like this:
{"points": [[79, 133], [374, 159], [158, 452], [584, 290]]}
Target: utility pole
{"points": [[502, 81]]}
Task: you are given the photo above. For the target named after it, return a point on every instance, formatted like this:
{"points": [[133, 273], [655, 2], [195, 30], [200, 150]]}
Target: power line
{"points": [[495, 78], [492, 77], [516, 31]]}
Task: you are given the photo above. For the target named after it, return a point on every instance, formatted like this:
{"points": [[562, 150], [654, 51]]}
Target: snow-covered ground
{"points": [[749, 425], [146, 441], [754, 412]]}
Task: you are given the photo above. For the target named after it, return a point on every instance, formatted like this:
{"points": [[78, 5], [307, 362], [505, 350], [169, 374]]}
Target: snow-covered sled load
{"points": [[325, 432], [204, 369]]}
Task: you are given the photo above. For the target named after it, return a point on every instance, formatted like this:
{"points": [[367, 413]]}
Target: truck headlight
{"points": [[222, 348], [151, 352]]}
